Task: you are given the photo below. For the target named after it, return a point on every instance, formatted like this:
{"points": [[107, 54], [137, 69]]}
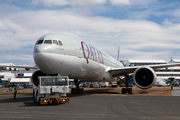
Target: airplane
{"points": [[66, 54]]}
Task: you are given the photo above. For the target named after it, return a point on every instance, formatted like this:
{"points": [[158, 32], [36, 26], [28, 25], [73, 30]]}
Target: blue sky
{"points": [[147, 29]]}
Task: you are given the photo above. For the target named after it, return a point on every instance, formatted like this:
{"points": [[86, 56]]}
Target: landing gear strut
{"points": [[77, 90], [126, 90]]}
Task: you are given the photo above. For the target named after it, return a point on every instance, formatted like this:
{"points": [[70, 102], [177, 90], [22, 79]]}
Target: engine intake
{"points": [[144, 77], [34, 78]]}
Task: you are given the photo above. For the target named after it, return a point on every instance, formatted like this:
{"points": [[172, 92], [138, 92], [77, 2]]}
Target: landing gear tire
{"points": [[130, 90], [126, 90], [77, 91], [74, 91], [34, 96], [123, 91], [37, 98], [81, 91]]}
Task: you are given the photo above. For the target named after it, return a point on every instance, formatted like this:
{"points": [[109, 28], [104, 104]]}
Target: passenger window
{"points": [[55, 42], [47, 42], [60, 43], [39, 42]]}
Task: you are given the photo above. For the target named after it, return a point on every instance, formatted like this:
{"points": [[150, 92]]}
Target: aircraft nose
{"points": [[42, 48], [42, 58], [41, 52]]}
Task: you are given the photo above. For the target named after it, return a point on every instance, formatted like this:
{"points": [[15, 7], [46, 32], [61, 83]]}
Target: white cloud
{"points": [[35, 2], [50, 3], [142, 3], [167, 22], [20, 59], [83, 2], [133, 31], [140, 39], [119, 2], [176, 15]]}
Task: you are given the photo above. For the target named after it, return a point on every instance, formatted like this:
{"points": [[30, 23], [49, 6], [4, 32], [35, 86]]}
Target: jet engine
{"points": [[34, 78], [144, 77]]}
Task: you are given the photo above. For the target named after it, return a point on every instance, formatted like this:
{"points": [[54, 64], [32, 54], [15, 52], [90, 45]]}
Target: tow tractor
{"points": [[51, 90]]}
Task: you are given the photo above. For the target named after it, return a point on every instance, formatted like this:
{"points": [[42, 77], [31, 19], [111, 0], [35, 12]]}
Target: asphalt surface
{"points": [[176, 91], [90, 107]]}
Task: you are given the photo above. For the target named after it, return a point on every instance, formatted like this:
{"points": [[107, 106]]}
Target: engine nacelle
{"points": [[144, 77], [35, 75]]}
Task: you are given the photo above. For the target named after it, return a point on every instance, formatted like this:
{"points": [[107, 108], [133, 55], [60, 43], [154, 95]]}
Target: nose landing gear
{"points": [[77, 90]]}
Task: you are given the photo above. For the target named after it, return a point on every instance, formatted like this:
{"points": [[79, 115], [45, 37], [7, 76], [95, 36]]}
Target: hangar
{"points": [[25, 79], [20, 81], [6, 77]]}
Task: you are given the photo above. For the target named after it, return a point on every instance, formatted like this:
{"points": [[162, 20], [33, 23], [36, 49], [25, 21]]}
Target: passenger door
{"points": [[79, 49]]}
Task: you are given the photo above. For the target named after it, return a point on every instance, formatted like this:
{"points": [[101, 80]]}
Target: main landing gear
{"points": [[77, 90], [126, 90]]}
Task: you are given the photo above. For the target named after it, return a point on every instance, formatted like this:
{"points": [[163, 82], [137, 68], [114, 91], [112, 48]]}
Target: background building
{"points": [[162, 74], [7, 68], [129, 63], [174, 61], [6, 77]]}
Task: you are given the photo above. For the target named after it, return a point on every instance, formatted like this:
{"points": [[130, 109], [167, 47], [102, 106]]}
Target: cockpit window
{"points": [[55, 42], [60, 43], [39, 42], [48, 42]]}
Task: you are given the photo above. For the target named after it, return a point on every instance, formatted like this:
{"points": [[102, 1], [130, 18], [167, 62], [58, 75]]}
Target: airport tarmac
{"points": [[90, 107], [176, 91], [155, 91]]}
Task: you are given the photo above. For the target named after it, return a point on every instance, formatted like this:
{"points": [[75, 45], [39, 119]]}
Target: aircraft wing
{"points": [[127, 70], [25, 67]]}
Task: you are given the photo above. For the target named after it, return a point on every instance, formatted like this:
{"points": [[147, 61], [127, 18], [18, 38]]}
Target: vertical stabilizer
{"points": [[118, 52]]}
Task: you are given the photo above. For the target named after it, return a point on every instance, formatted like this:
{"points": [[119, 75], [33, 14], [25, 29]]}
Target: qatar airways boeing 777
{"points": [[68, 55]]}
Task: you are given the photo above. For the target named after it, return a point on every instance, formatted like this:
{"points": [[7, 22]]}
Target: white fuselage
{"points": [[74, 58]]}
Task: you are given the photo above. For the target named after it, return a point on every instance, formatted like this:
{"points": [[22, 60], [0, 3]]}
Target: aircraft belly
{"points": [[75, 67], [72, 66]]}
